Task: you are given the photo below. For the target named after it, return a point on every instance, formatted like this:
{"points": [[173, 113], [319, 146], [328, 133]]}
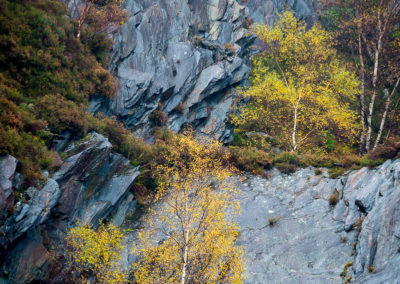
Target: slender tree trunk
{"points": [[393, 116], [79, 31], [186, 242], [294, 142], [374, 83], [84, 13], [362, 95], [185, 258], [387, 105]]}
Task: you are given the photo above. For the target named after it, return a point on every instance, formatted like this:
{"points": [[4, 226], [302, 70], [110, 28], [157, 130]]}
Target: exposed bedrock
{"points": [[312, 240], [185, 58]]}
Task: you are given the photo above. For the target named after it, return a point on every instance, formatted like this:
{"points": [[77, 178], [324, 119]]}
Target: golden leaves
{"points": [[299, 85], [96, 253], [194, 219]]}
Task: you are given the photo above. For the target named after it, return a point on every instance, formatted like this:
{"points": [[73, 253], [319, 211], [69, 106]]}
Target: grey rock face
{"points": [[92, 184], [312, 240], [306, 244], [187, 53], [93, 181], [266, 11], [35, 212], [184, 57]]}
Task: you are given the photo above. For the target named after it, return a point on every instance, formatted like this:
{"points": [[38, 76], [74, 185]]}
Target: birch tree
{"points": [[190, 236], [371, 28], [101, 14], [300, 90]]}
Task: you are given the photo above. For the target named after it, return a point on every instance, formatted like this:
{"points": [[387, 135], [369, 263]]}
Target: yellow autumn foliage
{"points": [[190, 236], [94, 254], [300, 89]]}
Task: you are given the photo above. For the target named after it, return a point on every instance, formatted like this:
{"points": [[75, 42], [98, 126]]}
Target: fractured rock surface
{"points": [[312, 240], [92, 184]]}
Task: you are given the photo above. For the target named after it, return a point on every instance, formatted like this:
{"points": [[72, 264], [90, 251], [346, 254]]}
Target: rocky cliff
{"points": [[185, 58], [313, 239], [310, 239], [92, 184]]}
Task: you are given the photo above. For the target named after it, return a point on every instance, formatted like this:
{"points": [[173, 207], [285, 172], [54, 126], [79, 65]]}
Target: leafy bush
{"points": [[318, 172], [389, 150], [62, 114], [158, 118], [287, 163], [46, 78], [335, 172], [30, 150], [134, 148], [250, 159]]}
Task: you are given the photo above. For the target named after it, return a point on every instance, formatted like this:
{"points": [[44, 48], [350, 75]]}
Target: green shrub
{"points": [[286, 168], [158, 118], [318, 172], [250, 159], [46, 78], [134, 148], [287, 157], [287, 163], [335, 172], [239, 139], [31, 152], [367, 162], [320, 160], [62, 114]]}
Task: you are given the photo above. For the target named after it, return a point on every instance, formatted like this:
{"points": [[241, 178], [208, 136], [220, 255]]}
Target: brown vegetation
{"points": [[334, 198], [158, 118]]}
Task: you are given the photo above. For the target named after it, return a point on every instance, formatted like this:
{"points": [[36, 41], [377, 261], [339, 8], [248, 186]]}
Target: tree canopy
{"points": [[301, 92], [190, 236], [94, 254], [367, 32]]}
